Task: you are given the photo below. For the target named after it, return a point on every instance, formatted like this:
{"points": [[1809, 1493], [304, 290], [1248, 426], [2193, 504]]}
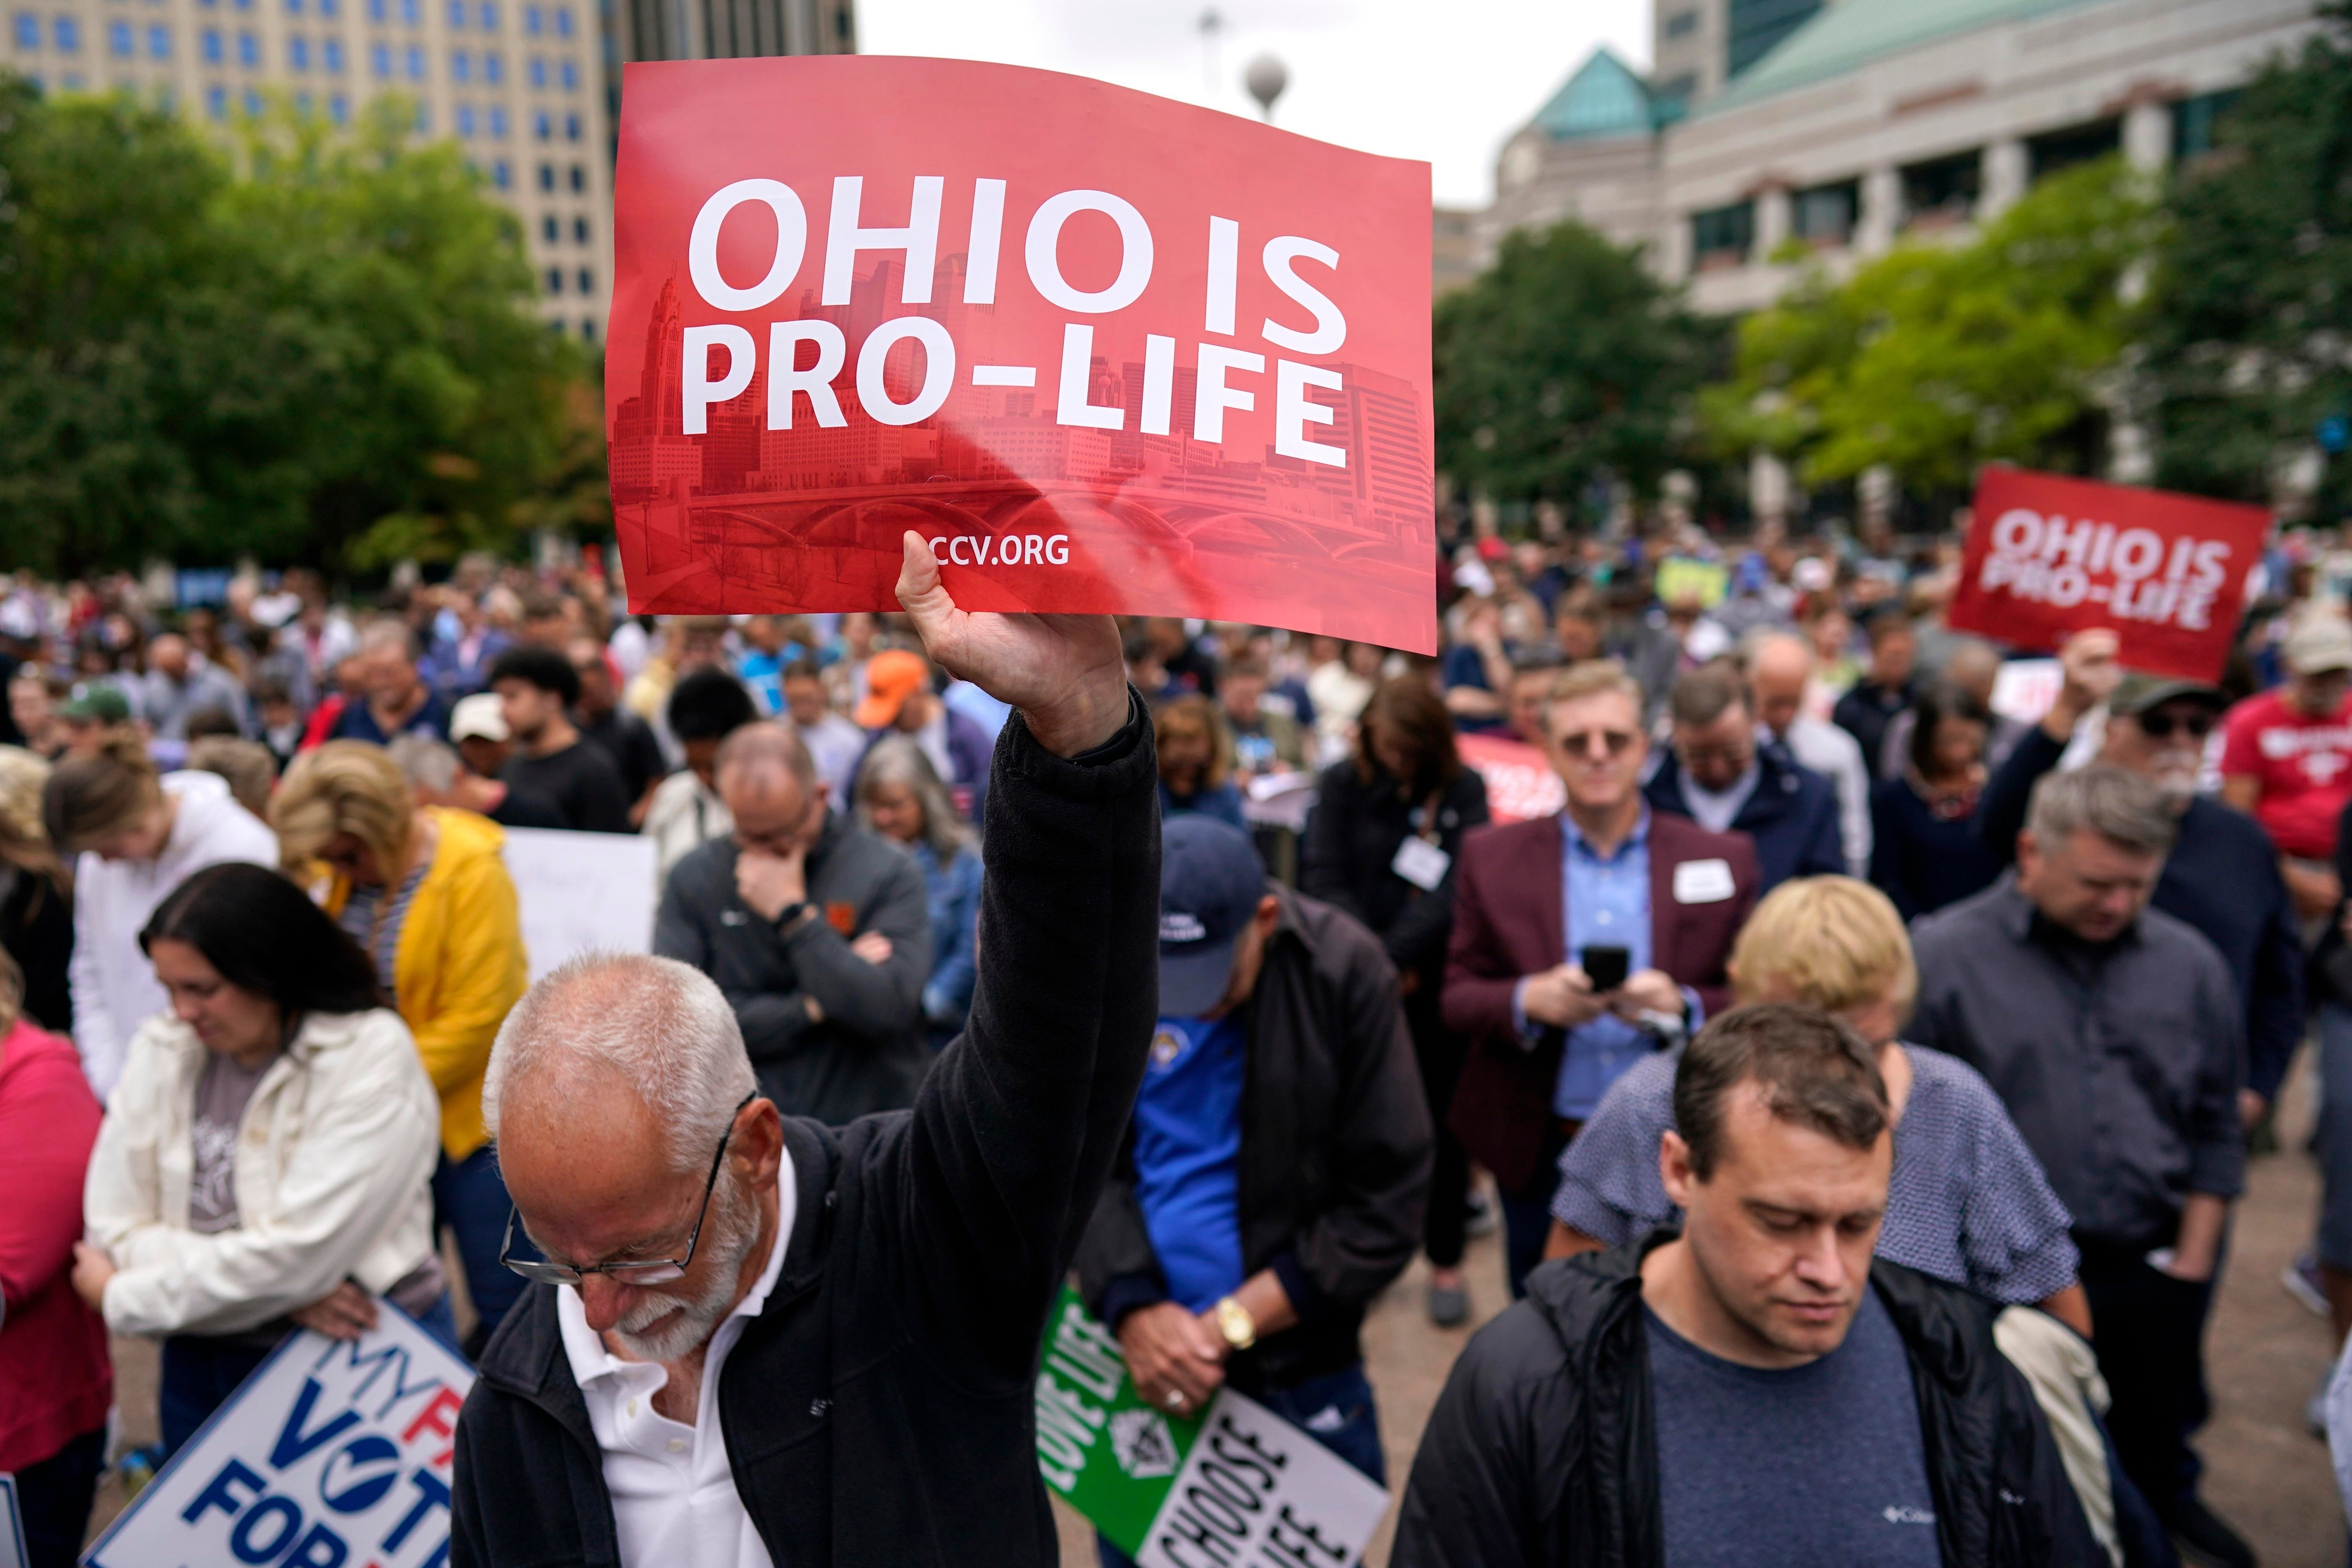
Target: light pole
{"points": [[1265, 79]]}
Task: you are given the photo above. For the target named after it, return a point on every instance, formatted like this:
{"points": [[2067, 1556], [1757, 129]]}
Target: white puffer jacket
{"points": [[335, 1162]]}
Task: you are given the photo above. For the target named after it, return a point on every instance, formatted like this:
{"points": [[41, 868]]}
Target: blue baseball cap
{"points": [[1210, 881]]}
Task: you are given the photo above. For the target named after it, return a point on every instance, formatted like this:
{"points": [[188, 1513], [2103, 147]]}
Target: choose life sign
{"points": [[1236, 1487], [1105, 351], [333, 1453]]}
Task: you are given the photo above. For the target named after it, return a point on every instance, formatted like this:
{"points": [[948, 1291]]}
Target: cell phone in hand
{"points": [[1605, 966]]}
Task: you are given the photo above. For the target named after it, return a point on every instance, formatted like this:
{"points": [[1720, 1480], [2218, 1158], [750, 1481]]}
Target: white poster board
{"points": [[334, 1453], [581, 892], [1255, 1488]]}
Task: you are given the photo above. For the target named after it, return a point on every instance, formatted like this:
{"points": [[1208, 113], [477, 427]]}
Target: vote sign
{"points": [[2048, 556], [1233, 1484], [333, 1453], [1106, 352]]}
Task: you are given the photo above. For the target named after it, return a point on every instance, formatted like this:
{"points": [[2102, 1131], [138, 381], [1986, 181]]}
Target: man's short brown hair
{"points": [[1810, 1066], [1592, 678], [1699, 697]]}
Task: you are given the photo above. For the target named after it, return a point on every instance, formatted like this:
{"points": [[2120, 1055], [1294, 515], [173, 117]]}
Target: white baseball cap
{"points": [[481, 717]]}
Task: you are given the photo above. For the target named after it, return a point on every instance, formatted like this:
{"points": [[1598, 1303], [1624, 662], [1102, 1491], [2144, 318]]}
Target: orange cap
{"points": [[892, 676]]}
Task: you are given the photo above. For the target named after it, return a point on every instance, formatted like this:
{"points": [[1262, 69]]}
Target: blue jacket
{"points": [[1793, 815], [954, 898]]}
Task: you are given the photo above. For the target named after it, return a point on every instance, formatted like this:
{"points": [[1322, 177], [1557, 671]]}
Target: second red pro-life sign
{"points": [[2048, 556], [1107, 351]]}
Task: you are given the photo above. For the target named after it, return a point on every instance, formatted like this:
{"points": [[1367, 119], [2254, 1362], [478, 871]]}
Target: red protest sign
{"points": [[1520, 782], [1108, 352], [2048, 556]]}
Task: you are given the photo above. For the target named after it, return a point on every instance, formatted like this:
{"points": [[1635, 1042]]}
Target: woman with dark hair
{"points": [[1196, 760], [900, 796], [1382, 845], [1926, 851], [266, 1161]]}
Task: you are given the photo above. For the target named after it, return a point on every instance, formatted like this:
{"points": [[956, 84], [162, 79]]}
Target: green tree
{"points": [[1566, 363], [306, 344], [2253, 303], [1933, 360]]}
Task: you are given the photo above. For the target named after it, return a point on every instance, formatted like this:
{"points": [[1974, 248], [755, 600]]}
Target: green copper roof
{"points": [[1605, 98], [1850, 34]]}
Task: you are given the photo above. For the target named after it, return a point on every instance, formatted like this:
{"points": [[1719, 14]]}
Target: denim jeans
{"points": [[1335, 1409], [469, 1197]]}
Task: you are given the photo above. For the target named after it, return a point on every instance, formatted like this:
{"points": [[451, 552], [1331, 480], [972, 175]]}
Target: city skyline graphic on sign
{"points": [[745, 517]]}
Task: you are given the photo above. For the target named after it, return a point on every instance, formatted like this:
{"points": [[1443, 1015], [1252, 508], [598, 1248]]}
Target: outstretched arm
{"points": [[1015, 1131]]}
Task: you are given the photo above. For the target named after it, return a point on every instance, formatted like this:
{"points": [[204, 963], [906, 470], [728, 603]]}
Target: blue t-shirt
{"points": [[1188, 1148], [1819, 1463]]}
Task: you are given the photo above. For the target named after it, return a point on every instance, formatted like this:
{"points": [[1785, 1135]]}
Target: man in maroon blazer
{"points": [[1605, 885]]}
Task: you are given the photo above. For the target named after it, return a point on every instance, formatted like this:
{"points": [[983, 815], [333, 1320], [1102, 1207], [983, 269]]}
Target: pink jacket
{"points": [[55, 1380]]}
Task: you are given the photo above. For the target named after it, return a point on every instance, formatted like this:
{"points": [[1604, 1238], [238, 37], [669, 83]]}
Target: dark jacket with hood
{"points": [[880, 1409], [1335, 1152], [1542, 1451]]}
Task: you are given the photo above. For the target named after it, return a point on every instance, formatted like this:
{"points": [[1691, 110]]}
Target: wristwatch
{"points": [[790, 915], [1233, 1321]]}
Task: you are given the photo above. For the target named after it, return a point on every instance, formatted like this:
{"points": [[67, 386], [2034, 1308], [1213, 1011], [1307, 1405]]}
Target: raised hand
{"points": [[1063, 672]]}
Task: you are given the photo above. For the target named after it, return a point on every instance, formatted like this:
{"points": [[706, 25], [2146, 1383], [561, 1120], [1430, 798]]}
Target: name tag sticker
{"points": [[1703, 882], [1421, 863]]}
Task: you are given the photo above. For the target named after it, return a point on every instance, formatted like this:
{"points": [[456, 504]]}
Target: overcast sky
{"points": [[1444, 81]]}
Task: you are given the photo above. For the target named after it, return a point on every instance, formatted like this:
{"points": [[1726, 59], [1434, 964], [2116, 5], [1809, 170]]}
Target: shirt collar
{"points": [[1572, 838], [591, 1360]]}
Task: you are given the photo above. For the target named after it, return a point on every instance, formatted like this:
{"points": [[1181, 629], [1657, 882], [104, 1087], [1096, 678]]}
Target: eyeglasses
{"points": [[1614, 741], [653, 1272], [2160, 726]]}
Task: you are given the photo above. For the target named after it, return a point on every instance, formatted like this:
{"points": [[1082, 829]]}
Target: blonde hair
{"points": [[1831, 942], [1592, 678], [344, 787]]}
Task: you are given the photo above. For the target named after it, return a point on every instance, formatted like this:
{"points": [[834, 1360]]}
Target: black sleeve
{"points": [[1381, 1153], [1886, 850], [1118, 1268], [1326, 868], [2275, 1012], [1472, 1498], [995, 1172], [2000, 810]]}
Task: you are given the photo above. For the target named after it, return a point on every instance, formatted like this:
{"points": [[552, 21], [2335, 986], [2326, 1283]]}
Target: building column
{"points": [[2005, 177], [1773, 214], [1882, 209], [2148, 136]]}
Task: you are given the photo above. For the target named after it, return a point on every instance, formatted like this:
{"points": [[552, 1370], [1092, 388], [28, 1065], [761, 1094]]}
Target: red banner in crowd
{"points": [[1520, 782], [2048, 556], [1107, 351]]}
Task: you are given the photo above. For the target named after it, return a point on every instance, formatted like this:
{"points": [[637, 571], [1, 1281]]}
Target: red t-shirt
{"points": [[2305, 766]]}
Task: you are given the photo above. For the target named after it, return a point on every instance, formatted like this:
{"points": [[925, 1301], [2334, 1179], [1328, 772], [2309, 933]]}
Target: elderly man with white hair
{"points": [[758, 1340]]}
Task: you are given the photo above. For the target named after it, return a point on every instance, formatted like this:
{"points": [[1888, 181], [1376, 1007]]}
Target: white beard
{"points": [[732, 1228]]}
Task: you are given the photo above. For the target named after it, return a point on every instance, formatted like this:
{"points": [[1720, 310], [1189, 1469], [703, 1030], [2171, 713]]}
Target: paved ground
{"points": [[2266, 1354]]}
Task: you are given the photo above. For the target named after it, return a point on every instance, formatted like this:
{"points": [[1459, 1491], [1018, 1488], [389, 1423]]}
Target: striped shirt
{"points": [[381, 939], [1965, 1201]]}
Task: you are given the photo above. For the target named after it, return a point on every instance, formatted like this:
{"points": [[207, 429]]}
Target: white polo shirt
{"points": [[674, 1498]]}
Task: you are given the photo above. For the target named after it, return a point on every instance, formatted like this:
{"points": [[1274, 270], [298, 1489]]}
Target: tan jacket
{"points": [[334, 1161]]}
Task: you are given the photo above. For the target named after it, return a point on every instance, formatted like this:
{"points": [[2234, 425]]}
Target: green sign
{"points": [[1111, 1457], [1684, 581]]}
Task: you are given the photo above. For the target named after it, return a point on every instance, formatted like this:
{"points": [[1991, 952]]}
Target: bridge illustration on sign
{"points": [[995, 464]]}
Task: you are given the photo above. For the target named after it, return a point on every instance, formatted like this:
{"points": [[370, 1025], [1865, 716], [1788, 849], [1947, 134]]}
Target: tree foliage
{"points": [[2253, 303], [309, 345], [1565, 364], [1933, 360]]}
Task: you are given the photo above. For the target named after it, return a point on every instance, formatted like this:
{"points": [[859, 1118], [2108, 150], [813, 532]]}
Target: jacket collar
{"points": [[1777, 785]]}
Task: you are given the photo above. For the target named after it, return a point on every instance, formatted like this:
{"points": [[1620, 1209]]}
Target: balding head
{"points": [[769, 782], [1974, 665], [613, 1086], [1779, 666]]}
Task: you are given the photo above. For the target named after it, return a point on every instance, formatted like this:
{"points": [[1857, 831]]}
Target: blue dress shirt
{"points": [[1605, 901]]}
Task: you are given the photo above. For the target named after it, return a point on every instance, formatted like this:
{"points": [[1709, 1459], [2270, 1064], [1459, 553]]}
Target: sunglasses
{"points": [[1615, 742], [2160, 726]]}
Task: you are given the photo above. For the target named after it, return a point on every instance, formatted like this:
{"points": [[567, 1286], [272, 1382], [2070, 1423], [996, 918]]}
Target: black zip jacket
{"points": [[879, 1409], [1335, 1152], [1543, 1448], [1351, 845]]}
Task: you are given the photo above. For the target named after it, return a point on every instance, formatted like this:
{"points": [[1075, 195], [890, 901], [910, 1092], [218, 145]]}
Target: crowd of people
{"points": [[1856, 1034]]}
